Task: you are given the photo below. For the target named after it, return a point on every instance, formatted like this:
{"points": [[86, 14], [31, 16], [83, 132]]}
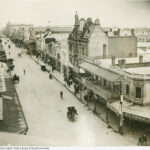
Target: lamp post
{"points": [[121, 112]]}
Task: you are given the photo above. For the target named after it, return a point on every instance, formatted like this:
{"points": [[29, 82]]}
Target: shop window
{"points": [[138, 92], [127, 89], [96, 77], [105, 82], [83, 51]]}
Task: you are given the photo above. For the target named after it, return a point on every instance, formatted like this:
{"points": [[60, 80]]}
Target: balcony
{"points": [[99, 89]]}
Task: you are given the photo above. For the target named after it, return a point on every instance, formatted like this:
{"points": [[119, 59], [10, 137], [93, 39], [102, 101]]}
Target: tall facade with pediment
{"points": [[88, 40]]}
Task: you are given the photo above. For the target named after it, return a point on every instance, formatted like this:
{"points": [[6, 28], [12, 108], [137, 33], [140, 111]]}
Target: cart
{"points": [[71, 113], [15, 78], [43, 68]]}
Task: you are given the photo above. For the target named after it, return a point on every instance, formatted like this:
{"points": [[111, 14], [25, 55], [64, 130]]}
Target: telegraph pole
{"points": [[121, 112]]}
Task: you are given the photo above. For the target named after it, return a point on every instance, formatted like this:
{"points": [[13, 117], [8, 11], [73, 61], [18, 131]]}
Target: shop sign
{"points": [[136, 117]]}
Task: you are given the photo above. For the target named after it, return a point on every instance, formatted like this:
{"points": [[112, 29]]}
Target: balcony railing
{"points": [[99, 90]]}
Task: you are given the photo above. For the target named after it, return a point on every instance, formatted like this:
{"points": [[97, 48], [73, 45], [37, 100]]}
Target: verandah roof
{"points": [[99, 71]]}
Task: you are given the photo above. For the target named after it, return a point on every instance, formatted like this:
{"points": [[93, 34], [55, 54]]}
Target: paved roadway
{"points": [[46, 113]]}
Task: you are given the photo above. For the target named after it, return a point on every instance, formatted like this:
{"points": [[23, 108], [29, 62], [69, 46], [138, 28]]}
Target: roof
{"points": [[61, 29], [135, 67], [139, 70], [99, 71]]}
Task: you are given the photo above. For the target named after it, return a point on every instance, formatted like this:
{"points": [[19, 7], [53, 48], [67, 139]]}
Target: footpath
{"points": [[14, 119]]}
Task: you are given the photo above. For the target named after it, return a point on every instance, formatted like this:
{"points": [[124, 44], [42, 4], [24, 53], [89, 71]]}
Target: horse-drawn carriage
{"points": [[10, 68], [15, 78], [43, 68], [10, 61], [71, 113]]}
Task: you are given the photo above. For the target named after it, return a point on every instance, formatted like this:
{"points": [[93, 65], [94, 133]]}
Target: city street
{"points": [[46, 112]]}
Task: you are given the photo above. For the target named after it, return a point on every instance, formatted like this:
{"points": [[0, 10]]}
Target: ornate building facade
{"points": [[89, 40]]}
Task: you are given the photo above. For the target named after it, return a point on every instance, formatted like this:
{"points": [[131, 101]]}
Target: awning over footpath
{"points": [[99, 71], [1, 109], [133, 112]]}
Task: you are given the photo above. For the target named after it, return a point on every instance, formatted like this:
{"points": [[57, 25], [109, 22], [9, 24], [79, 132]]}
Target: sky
{"points": [[119, 13]]}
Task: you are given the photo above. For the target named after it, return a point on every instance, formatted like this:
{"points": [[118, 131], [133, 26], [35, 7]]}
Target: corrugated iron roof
{"points": [[99, 71]]}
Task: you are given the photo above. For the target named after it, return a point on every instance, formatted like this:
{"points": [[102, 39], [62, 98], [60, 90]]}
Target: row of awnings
{"points": [[1, 109], [99, 71]]}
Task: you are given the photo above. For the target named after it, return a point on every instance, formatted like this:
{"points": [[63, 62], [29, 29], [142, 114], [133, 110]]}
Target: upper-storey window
{"points": [[104, 83], [138, 92], [127, 89], [104, 50]]}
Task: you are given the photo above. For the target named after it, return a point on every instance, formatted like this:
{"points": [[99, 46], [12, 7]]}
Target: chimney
{"points": [[140, 59], [123, 63], [132, 32], [113, 60], [120, 63], [82, 22]]}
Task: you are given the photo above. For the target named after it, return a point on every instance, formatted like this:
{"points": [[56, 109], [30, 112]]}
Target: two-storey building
{"points": [[89, 40], [117, 87]]}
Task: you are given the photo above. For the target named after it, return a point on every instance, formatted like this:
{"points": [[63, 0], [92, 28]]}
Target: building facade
{"points": [[142, 34], [89, 40], [116, 88], [20, 31], [57, 52]]}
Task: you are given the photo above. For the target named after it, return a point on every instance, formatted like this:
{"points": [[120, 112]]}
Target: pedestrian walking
{"points": [[144, 140], [24, 71], [140, 142], [9, 53], [61, 94]]}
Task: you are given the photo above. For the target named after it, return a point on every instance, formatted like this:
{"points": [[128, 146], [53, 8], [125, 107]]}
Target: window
{"points": [[105, 83], [109, 85], [138, 92], [104, 51], [127, 89]]}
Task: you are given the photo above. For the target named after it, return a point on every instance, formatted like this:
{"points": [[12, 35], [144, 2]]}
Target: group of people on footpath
{"points": [[142, 140]]}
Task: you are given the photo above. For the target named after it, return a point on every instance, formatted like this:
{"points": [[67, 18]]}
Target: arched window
{"points": [[58, 56]]}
